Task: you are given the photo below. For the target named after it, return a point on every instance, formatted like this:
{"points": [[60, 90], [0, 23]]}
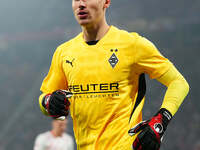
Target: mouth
{"points": [[82, 14]]}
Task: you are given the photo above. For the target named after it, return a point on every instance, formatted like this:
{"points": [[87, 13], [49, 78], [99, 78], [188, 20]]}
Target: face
{"points": [[89, 12], [60, 125]]}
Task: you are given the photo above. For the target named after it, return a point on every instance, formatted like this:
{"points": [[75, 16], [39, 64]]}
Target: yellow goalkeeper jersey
{"points": [[104, 79]]}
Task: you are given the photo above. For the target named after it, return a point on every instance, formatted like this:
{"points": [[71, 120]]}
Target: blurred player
{"points": [[104, 67], [56, 139]]}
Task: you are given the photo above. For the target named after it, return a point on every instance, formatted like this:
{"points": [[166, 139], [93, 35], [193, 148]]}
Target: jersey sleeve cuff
{"points": [[41, 106]]}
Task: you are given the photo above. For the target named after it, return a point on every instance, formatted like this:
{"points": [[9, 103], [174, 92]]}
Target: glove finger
{"points": [[145, 136], [148, 140], [58, 107], [154, 145], [61, 105], [59, 98], [67, 102], [57, 104], [61, 112], [66, 93], [157, 146], [58, 114], [139, 146], [140, 126], [57, 111], [62, 100], [54, 111], [136, 144], [161, 139]]}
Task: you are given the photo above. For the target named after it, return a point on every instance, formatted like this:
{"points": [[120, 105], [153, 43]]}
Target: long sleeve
{"points": [[177, 90], [55, 78], [40, 104]]}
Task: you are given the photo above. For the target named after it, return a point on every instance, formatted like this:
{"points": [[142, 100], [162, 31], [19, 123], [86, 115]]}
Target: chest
{"points": [[102, 64], [57, 144]]}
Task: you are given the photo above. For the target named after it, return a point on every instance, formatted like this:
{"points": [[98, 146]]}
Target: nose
{"points": [[82, 4]]}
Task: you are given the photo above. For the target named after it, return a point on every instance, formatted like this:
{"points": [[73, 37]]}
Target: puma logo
{"points": [[70, 62]]}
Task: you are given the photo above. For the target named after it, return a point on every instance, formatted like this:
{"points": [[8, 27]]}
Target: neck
{"points": [[95, 32], [56, 133]]}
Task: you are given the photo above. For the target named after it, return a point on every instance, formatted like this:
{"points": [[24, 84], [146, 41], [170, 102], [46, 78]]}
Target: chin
{"points": [[84, 22]]}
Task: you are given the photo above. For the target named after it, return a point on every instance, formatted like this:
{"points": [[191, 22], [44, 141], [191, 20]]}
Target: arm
{"points": [[177, 89], [55, 78], [54, 100], [152, 130], [149, 60]]}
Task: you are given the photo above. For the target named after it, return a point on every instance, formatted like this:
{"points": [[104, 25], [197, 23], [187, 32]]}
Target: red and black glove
{"points": [[57, 104], [151, 131]]}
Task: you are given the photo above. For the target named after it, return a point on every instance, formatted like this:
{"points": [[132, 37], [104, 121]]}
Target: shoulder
{"points": [[130, 35], [124, 36], [43, 136], [68, 137], [126, 33], [68, 44], [144, 45], [65, 47], [138, 41]]}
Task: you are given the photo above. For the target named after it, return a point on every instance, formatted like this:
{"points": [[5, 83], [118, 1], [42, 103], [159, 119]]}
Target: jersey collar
{"points": [[103, 40]]}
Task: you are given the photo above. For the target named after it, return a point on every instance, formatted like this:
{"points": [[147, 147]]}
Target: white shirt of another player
{"points": [[47, 141]]}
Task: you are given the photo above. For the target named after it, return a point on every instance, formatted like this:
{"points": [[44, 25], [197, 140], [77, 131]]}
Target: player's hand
{"points": [[152, 131], [57, 104]]}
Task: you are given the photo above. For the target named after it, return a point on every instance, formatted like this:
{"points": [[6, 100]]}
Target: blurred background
{"points": [[30, 31]]}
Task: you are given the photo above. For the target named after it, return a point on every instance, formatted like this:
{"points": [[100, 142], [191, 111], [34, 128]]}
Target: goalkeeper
{"points": [[99, 76]]}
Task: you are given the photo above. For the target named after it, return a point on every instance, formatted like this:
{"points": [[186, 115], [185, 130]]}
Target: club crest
{"points": [[113, 60]]}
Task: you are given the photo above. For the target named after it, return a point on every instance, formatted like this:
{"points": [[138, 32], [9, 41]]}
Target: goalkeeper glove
{"points": [[152, 131], [57, 103]]}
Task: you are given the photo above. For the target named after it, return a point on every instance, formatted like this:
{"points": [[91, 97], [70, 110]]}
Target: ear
{"points": [[107, 3]]}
